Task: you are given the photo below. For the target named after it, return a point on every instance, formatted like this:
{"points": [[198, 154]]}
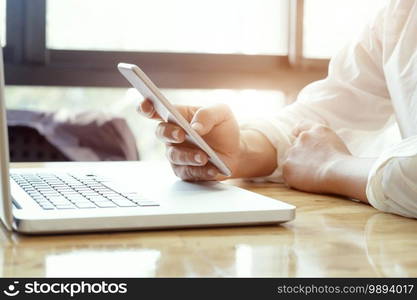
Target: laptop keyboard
{"points": [[67, 191]]}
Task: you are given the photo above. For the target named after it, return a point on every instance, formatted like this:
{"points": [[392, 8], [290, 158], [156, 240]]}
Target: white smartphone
{"points": [[168, 112]]}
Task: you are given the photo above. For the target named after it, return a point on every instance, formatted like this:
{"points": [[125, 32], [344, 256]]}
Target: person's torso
{"points": [[399, 44]]}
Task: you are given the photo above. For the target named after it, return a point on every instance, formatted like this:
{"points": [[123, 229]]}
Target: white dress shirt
{"points": [[370, 99]]}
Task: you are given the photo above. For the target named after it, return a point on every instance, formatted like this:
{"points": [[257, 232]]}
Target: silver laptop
{"points": [[107, 196]]}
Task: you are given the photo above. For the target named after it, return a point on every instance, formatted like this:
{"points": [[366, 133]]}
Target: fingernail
{"points": [[148, 114], [198, 158], [212, 172], [176, 134], [197, 126]]}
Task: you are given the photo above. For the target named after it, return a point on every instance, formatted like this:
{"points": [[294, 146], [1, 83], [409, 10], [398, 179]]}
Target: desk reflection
{"points": [[241, 252], [330, 237], [391, 244]]}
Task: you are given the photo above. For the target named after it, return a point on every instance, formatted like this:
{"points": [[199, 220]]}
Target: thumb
{"points": [[207, 117]]}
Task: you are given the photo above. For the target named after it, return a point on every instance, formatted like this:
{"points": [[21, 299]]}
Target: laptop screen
{"points": [[5, 203]]}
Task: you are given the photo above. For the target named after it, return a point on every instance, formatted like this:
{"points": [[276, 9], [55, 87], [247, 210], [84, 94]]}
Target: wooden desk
{"points": [[330, 237]]}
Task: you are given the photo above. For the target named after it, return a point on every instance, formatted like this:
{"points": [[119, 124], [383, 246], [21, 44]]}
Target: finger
{"points": [[303, 126], [206, 118], [186, 156], [170, 133], [193, 173], [147, 109]]}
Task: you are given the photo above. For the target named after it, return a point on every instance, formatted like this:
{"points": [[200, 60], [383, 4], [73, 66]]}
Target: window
{"points": [[198, 44], [3, 22], [193, 26], [201, 44], [329, 24]]}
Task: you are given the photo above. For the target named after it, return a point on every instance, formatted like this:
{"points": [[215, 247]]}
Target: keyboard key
{"points": [[124, 203], [44, 189], [56, 198], [64, 189], [76, 197], [60, 201], [39, 198], [47, 206], [105, 204], [37, 180], [57, 185], [147, 203], [85, 205], [34, 193], [44, 202], [88, 181], [65, 206], [50, 193], [68, 193], [75, 200], [116, 197], [101, 187], [85, 194], [91, 182], [98, 198], [103, 192], [77, 186], [110, 194], [82, 189]]}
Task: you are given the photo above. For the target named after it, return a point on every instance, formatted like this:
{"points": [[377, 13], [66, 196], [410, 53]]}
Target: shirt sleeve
{"points": [[354, 96], [392, 182]]}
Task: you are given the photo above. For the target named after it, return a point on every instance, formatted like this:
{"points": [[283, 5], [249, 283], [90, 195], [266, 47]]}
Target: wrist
{"points": [[334, 174], [257, 156], [347, 175]]}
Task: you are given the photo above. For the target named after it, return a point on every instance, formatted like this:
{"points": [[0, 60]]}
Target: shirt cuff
{"points": [[380, 179]]}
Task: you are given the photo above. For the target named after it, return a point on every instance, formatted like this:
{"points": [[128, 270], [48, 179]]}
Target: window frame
{"points": [[29, 62]]}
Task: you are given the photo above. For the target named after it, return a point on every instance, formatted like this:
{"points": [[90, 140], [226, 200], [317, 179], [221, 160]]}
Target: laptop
{"points": [[116, 196]]}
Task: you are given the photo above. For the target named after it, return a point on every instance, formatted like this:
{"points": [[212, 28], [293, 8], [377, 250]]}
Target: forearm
{"points": [[257, 156], [348, 177]]}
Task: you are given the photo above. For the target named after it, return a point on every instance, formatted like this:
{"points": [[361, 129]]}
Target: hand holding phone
{"points": [[168, 112]]}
